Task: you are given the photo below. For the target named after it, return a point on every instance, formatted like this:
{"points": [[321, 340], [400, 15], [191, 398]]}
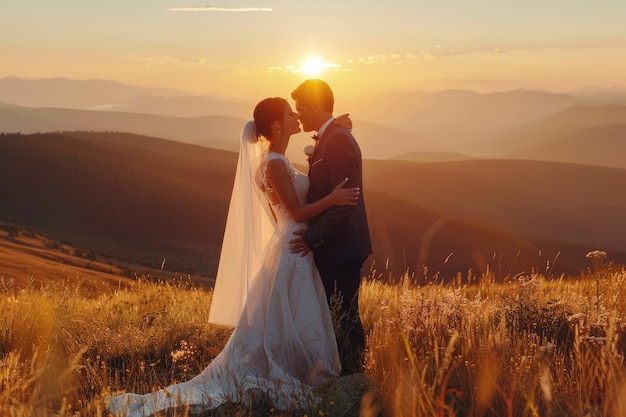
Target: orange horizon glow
{"points": [[251, 52]]}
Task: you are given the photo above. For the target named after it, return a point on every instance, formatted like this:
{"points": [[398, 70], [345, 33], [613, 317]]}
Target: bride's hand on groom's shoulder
{"points": [[344, 121]]}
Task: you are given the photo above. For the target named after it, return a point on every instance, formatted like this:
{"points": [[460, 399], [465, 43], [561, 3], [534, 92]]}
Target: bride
{"points": [[283, 342]]}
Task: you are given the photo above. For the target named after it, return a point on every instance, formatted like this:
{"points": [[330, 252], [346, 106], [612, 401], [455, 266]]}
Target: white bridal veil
{"points": [[249, 226]]}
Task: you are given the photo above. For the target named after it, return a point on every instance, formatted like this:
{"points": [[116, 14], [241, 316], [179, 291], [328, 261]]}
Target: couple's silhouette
{"points": [[293, 245]]}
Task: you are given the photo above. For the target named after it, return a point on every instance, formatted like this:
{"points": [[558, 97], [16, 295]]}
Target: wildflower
{"points": [[597, 258], [577, 316], [545, 382], [597, 340], [596, 255], [549, 347]]}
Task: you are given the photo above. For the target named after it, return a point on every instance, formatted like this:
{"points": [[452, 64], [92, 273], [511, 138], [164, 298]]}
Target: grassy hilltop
{"points": [[109, 243], [531, 345]]}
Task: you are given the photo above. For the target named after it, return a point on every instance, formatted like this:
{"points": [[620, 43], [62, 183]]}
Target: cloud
{"points": [[311, 66], [160, 60], [219, 9], [437, 52], [282, 68], [433, 53]]}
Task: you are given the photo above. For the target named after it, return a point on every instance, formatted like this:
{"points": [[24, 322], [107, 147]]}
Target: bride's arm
{"points": [[278, 177]]}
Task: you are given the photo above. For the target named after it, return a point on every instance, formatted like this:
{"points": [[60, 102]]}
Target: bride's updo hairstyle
{"points": [[267, 112]]}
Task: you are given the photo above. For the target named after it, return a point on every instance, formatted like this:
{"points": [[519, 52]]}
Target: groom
{"points": [[339, 237]]}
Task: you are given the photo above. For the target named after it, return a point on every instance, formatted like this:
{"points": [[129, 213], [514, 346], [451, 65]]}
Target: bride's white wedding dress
{"points": [[284, 343]]}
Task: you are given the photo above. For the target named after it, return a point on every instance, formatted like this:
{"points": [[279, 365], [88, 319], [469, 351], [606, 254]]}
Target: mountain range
{"points": [[537, 177], [420, 126]]}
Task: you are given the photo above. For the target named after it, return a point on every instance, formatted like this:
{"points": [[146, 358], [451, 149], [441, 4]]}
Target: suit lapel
{"points": [[317, 152], [322, 141]]}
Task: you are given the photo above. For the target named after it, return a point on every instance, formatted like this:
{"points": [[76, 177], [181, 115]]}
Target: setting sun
{"points": [[314, 66]]}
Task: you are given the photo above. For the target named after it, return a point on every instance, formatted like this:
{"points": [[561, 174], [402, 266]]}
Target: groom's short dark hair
{"points": [[314, 92]]}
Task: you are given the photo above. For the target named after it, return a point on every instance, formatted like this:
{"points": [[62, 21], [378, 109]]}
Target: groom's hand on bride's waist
{"points": [[297, 245]]}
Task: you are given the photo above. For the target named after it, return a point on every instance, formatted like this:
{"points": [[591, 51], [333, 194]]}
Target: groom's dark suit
{"points": [[340, 237]]}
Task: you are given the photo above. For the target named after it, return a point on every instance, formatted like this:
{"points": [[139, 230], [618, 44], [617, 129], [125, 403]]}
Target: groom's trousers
{"points": [[342, 283]]}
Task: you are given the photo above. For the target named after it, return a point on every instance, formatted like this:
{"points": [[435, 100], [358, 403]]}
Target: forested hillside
{"points": [[123, 191], [142, 199]]}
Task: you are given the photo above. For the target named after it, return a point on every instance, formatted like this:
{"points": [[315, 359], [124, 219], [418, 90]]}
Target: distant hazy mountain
{"points": [[381, 142], [576, 131], [455, 121], [77, 94], [601, 145], [390, 125], [187, 106], [604, 95], [219, 132], [433, 157], [556, 138], [450, 121]]}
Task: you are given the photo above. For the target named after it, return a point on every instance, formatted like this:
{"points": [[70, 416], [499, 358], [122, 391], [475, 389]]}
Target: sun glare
{"points": [[314, 66]]}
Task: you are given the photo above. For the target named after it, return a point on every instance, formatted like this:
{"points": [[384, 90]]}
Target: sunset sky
{"points": [[254, 48]]}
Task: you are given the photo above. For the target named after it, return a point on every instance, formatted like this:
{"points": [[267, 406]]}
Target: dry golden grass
{"points": [[529, 346], [526, 347], [61, 351], [25, 255]]}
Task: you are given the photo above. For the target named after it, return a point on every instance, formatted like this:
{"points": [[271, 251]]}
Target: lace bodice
{"points": [[300, 183]]}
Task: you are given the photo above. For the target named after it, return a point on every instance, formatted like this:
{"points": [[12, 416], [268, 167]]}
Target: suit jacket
{"points": [[340, 234]]}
